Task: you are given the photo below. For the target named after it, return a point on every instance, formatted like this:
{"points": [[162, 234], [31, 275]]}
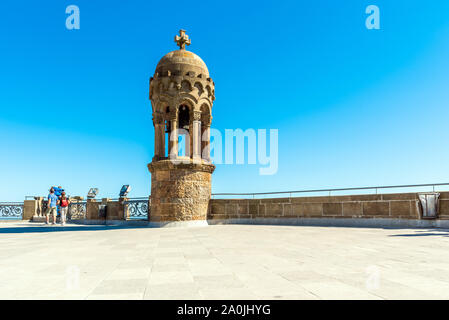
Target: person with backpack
{"points": [[63, 207], [51, 206]]}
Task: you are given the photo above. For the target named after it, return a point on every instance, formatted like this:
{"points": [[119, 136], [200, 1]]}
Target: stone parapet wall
{"points": [[31, 208], [115, 209], [381, 206], [399, 209], [34, 210], [92, 210]]}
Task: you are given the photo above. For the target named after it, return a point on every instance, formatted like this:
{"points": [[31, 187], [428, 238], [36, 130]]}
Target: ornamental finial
{"points": [[182, 40]]}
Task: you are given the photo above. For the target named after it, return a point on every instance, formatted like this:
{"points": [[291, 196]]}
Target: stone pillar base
{"points": [[180, 191]]}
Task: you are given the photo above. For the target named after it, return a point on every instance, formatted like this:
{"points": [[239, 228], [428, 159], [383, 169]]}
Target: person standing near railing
{"points": [[63, 205], [52, 205], [58, 192]]}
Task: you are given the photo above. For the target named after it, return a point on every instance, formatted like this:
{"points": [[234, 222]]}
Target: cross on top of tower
{"points": [[182, 40]]}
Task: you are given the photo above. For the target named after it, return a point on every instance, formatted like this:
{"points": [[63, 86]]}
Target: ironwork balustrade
{"points": [[137, 209], [11, 210], [77, 210]]}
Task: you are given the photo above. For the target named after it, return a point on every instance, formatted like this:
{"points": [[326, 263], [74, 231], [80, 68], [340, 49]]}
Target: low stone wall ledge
{"points": [[348, 222]]}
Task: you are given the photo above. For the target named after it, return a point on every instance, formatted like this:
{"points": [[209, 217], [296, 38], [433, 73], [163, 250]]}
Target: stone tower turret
{"points": [[182, 95]]}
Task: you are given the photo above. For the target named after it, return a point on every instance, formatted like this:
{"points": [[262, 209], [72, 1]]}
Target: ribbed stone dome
{"points": [[182, 61]]}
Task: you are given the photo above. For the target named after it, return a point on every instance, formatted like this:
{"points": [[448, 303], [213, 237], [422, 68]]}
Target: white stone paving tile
{"points": [[223, 262]]}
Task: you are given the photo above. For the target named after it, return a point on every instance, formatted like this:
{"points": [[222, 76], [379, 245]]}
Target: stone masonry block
{"points": [[399, 196], [253, 209], [287, 211], [444, 195], [444, 208], [297, 209], [313, 209], [242, 207], [320, 199], [162, 175], [400, 208], [261, 211], [30, 208], [376, 208], [352, 208], [332, 209], [415, 211], [275, 200], [273, 210], [217, 208], [231, 209]]}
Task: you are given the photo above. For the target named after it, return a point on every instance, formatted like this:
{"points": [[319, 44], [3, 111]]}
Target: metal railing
{"points": [[137, 208], [77, 210], [11, 210], [329, 191]]}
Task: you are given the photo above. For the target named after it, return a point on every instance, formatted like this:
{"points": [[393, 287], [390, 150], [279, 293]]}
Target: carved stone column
{"points": [[205, 139], [159, 141], [173, 143], [196, 139], [189, 141]]}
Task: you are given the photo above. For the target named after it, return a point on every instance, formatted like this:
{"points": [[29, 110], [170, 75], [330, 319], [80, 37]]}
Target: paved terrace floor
{"points": [[222, 262]]}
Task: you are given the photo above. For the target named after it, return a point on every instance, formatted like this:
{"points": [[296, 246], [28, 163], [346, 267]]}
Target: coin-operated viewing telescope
{"points": [[92, 193], [58, 191], [125, 190]]}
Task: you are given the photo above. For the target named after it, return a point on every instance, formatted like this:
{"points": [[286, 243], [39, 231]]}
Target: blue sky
{"points": [[354, 107]]}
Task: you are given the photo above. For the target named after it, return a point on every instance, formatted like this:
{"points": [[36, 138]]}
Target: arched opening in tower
{"points": [[184, 131]]}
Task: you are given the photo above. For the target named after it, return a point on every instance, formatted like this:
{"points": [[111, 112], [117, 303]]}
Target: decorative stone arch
{"points": [[187, 98], [199, 87], [186, 86], [165, 97], [173, 85], [161, 104], [205, 102], [209, 90]]}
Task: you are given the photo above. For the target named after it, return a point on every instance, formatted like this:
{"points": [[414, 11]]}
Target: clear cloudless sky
{"points": [[354, 107]]}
